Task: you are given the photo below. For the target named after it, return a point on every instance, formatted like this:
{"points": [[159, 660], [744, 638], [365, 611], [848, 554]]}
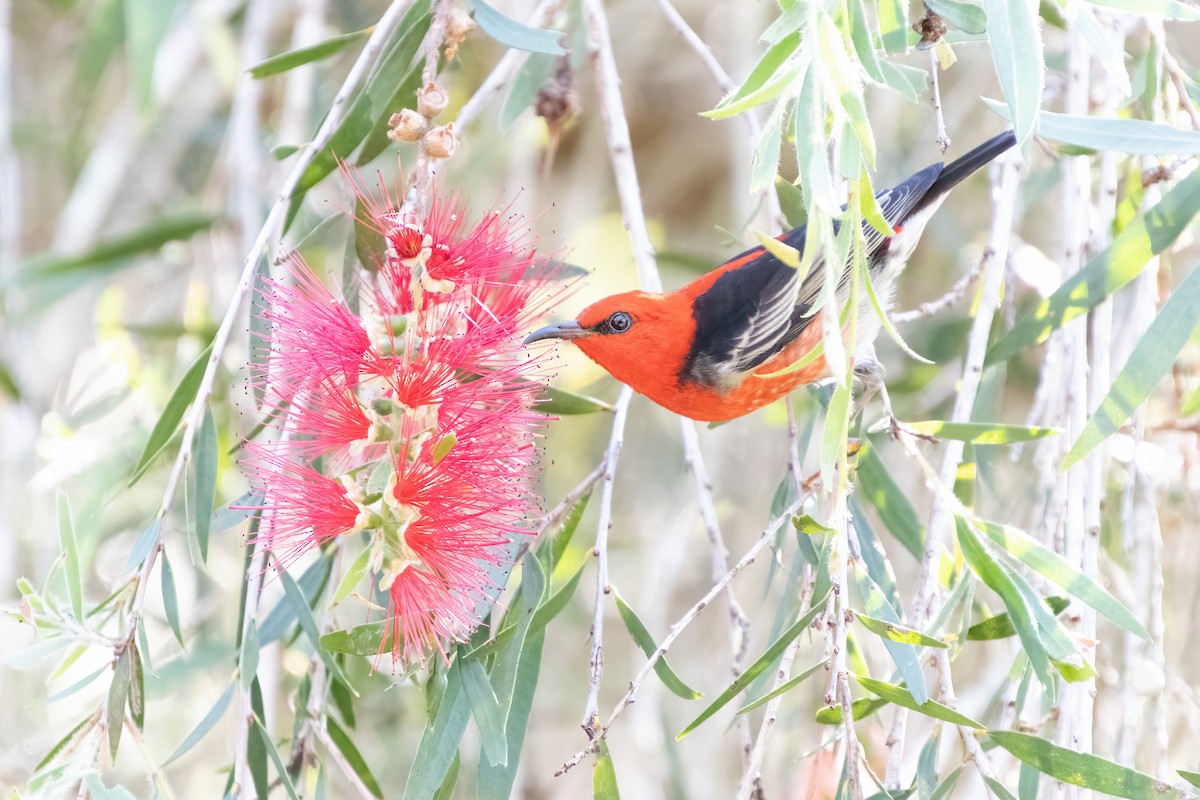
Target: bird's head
{"points": [[636, 336]]}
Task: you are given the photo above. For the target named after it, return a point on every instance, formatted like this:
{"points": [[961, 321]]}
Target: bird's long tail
{"points": [[960, 168]]}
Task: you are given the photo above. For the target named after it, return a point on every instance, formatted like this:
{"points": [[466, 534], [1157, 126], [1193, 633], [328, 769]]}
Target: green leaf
{"points": [[1162, 8], [1002, 582], [306, 55], [112, 252], [900, 696], [508, 31], [604, 775], [904, 654], [1191, 405], [495, 783], [118, 697], [206, 465], [1135, 136], [361, 640], [72, 738], [70, 549], [354, 758], [643, 639], [859, 709], [370, 107], [1084, 769], [982, 432], [998, 788], [791, 202], [875, 484], [761, 664], [764, 160], [1016, 41], [1191, 777], [1118, 264], [288, 609], [439, 743], [896, 632], [766, 68], [170, 598], [273, 753], [1001, 625], [1056, 569], [782, 251], [204, 726], [533, 75], [172, 413], [82, 683], [485, 708], [553, 400], [354, 574], [783, 688], [967, 17], [1150, 360]]}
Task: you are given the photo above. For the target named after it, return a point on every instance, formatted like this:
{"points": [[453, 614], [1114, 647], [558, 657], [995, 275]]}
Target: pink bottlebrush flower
{"points": [[422, 411], [301, 508]]}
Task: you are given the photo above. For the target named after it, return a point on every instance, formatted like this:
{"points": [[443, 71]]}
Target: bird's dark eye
{"points": [[620, 322]]}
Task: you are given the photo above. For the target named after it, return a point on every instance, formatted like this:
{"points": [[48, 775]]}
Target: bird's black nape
{"points": [[954, 172]]}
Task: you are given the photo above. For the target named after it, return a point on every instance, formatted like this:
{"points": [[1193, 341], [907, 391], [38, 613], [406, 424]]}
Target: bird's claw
{"points": [[896, 427]]}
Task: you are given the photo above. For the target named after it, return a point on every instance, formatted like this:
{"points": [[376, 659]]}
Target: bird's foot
{"points": [[897, 428]]}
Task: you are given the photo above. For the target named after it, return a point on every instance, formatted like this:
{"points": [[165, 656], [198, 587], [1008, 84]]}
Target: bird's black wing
{"points": [[745, 317]]}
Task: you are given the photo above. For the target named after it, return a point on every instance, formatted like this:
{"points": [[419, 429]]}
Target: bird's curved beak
{"points": [[559, 330]]}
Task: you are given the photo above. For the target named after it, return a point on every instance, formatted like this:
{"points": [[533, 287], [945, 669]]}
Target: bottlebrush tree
{"points": [[340, 552]]}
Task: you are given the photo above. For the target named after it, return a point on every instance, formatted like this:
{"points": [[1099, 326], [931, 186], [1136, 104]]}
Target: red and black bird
{"points": [[719, 347]]}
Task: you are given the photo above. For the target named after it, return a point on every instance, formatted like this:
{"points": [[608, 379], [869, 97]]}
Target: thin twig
{"points": [[620, 150], [677, 629], [956, 293], [739, 623], [1178, 77], [941, 138], [726, 84], [591, 711]]}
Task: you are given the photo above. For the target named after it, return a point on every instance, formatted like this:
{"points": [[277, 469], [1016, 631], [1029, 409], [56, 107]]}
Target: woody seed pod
{"points": [[432, 100], [441, 141], [407, 126]]}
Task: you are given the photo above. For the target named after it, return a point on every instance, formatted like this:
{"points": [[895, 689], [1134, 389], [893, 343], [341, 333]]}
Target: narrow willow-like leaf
{"points": [[495, 783], [118, 698], [982, 432], [204, 726], [1135, 136], [170, 598], [73, 736], [554, 400], [875, 484], [354, 758], [172, 413], [70, 550], [206, 481], [859, 709], [1191, 777], [1016, 41], [1163, 8], [1053, 567], [306, 55], [112, 252], [1149, 362], [485, 708], [508, 31], [904, 654], [766, 68], [896, 632], [641, 636], [369, 104], [1191, 405], [273, 753], [783, 688], [248, 656], [1118, 264], [354, 573], [604, 775], [439, 743], [1000, 581], [82, 683], [286, 612], [765, 660], [967, 17], [1001, 625], [784, 252], [900, 696], [764, 161], [1084, 769]]}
